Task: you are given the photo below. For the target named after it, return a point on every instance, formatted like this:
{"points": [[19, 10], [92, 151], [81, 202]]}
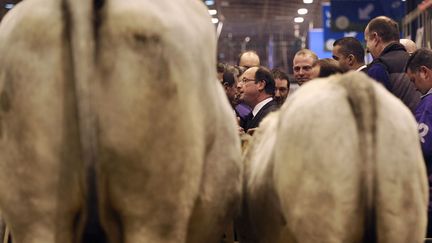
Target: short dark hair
{"points": [[385, 27], [278, 74], [329, 66], [229, 75], [421, 57], [228, 79], [263, 74], [240, 70], [351, 46]]}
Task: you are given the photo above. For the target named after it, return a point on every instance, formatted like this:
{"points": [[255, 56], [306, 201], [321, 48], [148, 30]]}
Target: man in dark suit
{"points": [[257, 91]]}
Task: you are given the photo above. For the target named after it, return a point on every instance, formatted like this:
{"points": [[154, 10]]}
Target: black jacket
{"points": [[254, 121], [394, 59]]}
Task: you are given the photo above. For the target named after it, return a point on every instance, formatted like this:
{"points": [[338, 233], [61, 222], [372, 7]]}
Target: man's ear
{"points": [[261, 85], [376, 37], [351, 59], [425, 72]]}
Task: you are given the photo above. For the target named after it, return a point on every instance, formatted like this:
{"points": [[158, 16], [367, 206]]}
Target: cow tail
{"points": [[80, 28], [362, 99]]}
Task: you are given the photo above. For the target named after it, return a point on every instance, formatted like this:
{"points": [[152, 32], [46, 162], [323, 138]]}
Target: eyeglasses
{"points": [[245, 80]]}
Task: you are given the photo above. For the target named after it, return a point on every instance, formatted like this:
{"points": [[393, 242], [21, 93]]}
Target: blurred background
{"points": [[277, 29]]}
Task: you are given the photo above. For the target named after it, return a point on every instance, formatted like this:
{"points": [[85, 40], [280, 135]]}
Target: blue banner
{"points": [[316, 42], [330, 36], [353, 15]]}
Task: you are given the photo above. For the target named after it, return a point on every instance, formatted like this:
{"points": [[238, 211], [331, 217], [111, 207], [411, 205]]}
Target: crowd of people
{"points": [[254, 91]]}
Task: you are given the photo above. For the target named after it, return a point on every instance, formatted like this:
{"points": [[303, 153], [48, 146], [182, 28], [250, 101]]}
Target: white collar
{"points": [[361, 68], [428, 93], [260, 105]]}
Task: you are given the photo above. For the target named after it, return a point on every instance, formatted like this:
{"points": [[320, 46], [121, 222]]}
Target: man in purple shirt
{"points": [[419, 70]]}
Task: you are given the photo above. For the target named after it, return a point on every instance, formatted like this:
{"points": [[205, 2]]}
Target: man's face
{"points": [[304, 68], [282, 90], [231, 92], [371, 43], [343, 61], [420, 79], [239, 91], [249, 89]]}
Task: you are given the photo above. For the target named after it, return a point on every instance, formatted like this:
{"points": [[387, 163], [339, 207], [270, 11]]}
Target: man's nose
{"points": [[277, 94]]}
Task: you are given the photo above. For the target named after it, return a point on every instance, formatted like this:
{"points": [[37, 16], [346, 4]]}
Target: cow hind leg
{"points": [[40, 229]]}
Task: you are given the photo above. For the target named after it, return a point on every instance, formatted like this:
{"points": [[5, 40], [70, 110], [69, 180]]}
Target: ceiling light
{"points": [[307, 1], [302, 11], [209, 2], [215, 20], [212, 11], [298, 19]]}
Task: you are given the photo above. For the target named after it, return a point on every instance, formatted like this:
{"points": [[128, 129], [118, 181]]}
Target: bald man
{"points": [[257, 91], [249, 59]]}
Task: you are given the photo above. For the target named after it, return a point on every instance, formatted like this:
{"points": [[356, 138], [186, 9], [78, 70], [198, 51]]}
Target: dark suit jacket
{"points": [[253, 121]]}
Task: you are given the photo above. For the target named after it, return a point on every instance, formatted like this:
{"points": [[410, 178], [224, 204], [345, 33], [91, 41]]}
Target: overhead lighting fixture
{"points": [[215, 20], [212, 11], [298, 19], [307, 1], [209, 2], [302, 11], [9, 5]]}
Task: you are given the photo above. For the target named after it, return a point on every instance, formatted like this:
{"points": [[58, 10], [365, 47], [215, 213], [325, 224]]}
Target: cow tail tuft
{"points": [[362, 99]]}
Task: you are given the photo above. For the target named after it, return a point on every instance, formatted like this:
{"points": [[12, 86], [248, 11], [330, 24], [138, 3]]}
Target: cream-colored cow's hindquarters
{"points": [[40, 166], [161, 137], [170, 169], [341, 152]]}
